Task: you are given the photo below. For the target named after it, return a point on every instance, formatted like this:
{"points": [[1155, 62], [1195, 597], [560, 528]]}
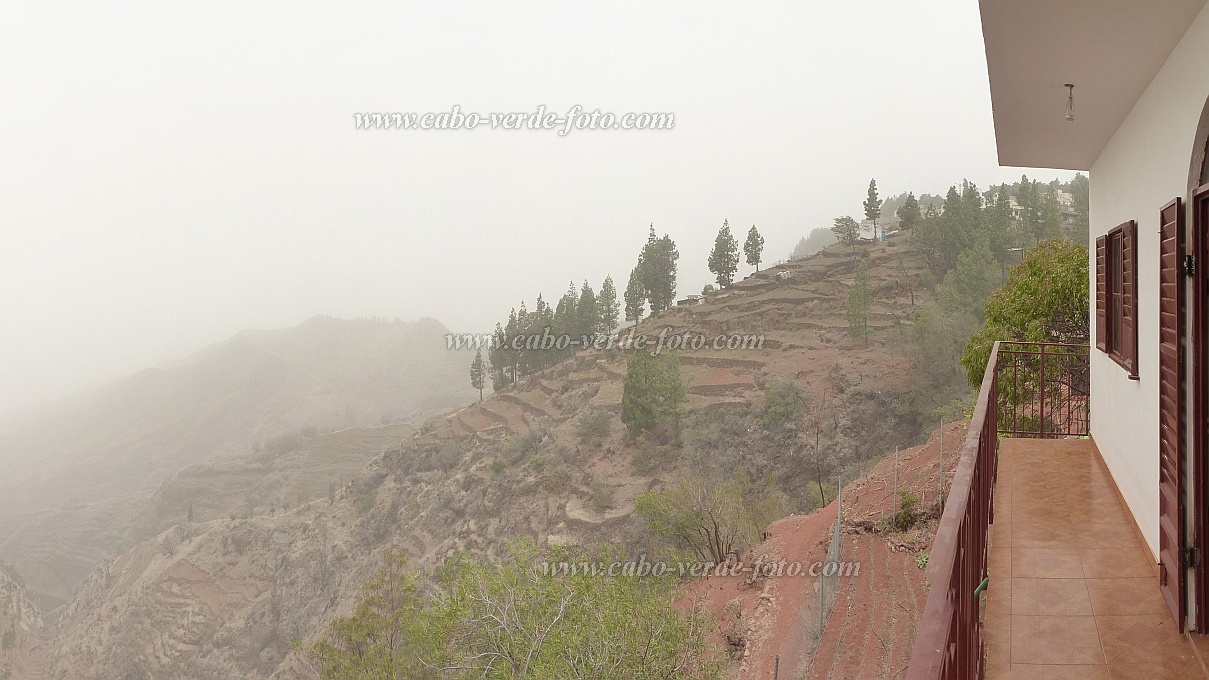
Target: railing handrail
{"points": [[929, 655]]}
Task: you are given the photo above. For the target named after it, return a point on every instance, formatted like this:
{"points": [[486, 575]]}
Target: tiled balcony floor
{"points": [[1073, 593]]}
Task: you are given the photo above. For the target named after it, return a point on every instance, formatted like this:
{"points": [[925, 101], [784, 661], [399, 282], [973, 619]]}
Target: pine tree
{"points": [[478, 373], [753, 248], [635, 297], [608, 305], [908, 212], [873, 205], [724, 260], [657, 272], [860, 297], [586, 312]]}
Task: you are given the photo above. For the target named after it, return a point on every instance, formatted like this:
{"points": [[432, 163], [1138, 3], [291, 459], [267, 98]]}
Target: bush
{"points": [[593, 426], [784, 404], [498, 466], [481, 617], [602, 496]]}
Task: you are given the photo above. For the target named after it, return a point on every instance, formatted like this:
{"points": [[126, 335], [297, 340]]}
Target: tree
{"points": [[966, 287], [784, 404], [1045, 299], [724, 260], [608, 306], [753, 247], [657, 271], [587, 314], [860, 298], [478, 373], [708, 289], [908, 212], [652, 393], [847, 231], [1080, 193], [635, 297], [873, 205]]}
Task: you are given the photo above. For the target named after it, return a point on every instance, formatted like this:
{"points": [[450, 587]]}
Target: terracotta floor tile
{"points": [[997, 635], [1046, 563], [1051, 535], [1108, 536], [1156, 672], [1148, 638], [1115, 563], [1126, 596], [1056, 640], [1050, 597], [1021, 671]]}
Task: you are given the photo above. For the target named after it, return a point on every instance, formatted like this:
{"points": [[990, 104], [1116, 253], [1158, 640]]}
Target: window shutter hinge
{"points": [[1191, 557], [1189, 265]]}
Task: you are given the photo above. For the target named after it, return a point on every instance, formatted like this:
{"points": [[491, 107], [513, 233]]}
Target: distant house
{"points": [[690, 300], [871, 231]]}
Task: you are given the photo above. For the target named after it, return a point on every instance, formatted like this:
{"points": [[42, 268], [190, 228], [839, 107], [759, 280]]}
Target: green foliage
{"points": [[653, 280], [498, 466], [966, 287], [593, 426], [608, 306], [1080, 190], [724, 258], [514, 619], [602, 496], [650, 458], [753, 247], [8, 639], [478, 373], [635, 299], [872, 204], [821, 493], [860, 300], [1045, 299], [908, 513], [846, 231], [587, 315], [938, 239], [784, 404], [1041, 215], [908, 212], [653, 393], [713, 517], [709, 289]]}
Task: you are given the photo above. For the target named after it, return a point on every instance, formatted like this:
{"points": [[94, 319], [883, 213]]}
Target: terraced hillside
{"points": [[76, 477], [225, 596]]}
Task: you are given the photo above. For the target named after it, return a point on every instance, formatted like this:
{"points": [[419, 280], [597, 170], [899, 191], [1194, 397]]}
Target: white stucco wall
{"points": [[1142, 168]]}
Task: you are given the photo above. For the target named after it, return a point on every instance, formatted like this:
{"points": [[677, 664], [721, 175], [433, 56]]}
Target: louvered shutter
{"points": [[1102, 294], [1129, 307]]}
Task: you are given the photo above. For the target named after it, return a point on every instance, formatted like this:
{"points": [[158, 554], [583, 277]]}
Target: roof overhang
{"points": [[1109, 49]]}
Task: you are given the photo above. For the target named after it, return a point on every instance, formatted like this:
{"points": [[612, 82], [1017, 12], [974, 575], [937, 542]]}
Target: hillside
{"points": [[225, 597], [77, 477]]}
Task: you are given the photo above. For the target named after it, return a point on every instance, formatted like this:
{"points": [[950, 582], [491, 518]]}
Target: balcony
{"points": [[1038, 569]]}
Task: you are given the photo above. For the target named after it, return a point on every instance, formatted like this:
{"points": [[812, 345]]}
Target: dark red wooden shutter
{"points": [[1171, 408], [1129, 304], [1102, 294]]}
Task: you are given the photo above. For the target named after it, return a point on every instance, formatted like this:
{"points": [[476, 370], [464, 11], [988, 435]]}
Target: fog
{"points": [[171, 175]]}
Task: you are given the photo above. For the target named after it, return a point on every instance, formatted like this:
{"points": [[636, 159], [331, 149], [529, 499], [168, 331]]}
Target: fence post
{"points": [[895, 499], [940, 473]]}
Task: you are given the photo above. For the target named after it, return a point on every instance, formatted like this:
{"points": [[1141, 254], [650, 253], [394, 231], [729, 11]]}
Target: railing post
{"points": [[1041, 405]]}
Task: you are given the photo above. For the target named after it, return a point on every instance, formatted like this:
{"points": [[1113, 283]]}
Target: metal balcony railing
{"points": [[1028, 390]]}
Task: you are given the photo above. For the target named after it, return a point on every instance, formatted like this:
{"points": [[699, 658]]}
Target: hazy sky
{"points": [[170, 175]]}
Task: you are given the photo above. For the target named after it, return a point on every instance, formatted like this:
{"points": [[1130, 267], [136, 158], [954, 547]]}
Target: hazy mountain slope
{"points": [[224, 598], [75, 475]]}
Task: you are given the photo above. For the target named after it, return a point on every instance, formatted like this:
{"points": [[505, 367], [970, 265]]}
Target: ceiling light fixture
{"points": [[1070, 102]]}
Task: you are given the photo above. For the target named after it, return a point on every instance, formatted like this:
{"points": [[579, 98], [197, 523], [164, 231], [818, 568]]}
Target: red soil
{"points": [[871, 629]]}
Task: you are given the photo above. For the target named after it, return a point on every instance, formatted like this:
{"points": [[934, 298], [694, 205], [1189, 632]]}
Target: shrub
{"points": [[784, 404], [593, 426], [498, 466], [653, 393], [602, 496]]}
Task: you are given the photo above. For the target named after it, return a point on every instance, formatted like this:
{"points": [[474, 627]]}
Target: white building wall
{"points": [[1142, 168]]}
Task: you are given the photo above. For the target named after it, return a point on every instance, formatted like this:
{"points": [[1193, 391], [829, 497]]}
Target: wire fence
{"points": [[812, 617]]}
